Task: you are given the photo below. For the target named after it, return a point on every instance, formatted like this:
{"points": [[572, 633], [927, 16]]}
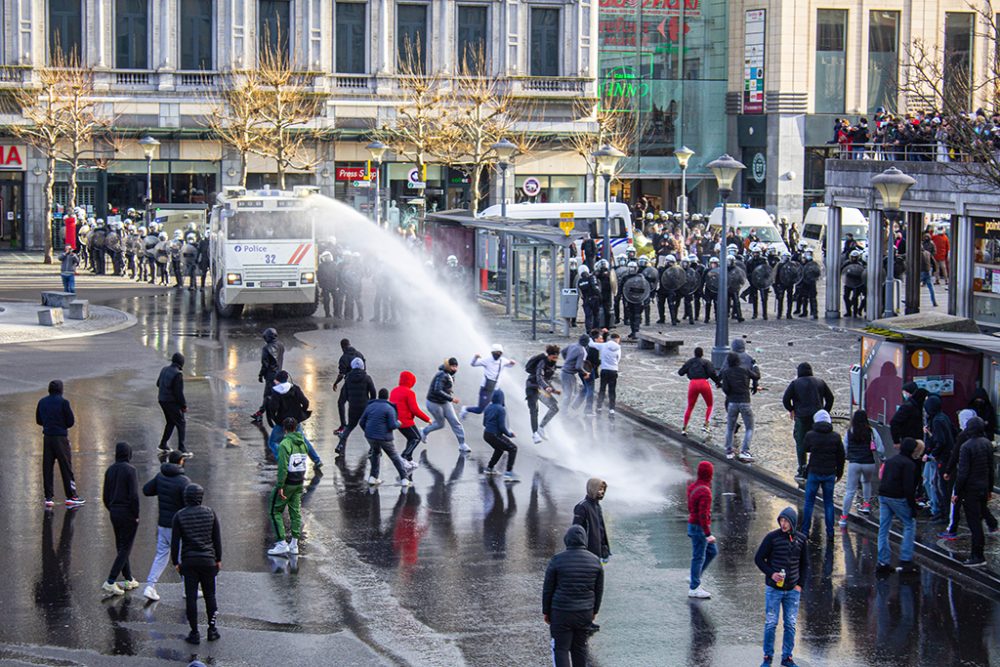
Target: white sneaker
{"points": [[404, 482], [150, 594], [129, 585], [279, 549], [536, 437], [699, 593], [541, 432], [411, 465], [746, 457], [464, 448], [730, 456], [463, 413], [374, 481], [611, 412], [293, 547], [112, 589]]}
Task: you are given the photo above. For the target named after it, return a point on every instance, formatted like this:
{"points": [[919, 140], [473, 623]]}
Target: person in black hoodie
{"points": [[196, 552], [168, 487], [983, 406], [736, 384], [699, 371], [784, 560], [288, 400], [969, 431], [824, 470], [590, 516], [896, 499], [804, 397], [348, 355], [571, 598], [272, 360], [172, 402], [55, 416], [938, 445], [974, 485], [121, 499], [359, 388], [908, 422]]}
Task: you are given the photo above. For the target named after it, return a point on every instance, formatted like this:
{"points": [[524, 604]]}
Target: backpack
{"points": [[532, 366]]}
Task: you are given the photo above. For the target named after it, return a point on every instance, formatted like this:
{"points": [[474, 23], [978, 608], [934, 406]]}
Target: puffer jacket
{"points": [[975, 463], [784, 551], [441, 387], [171, 385], [405, 400], [574, 578], [272, 355], [287, 400], [168, 487], [359, 388], [826, 453], [196, 528], [589, 515], [379, 420]]}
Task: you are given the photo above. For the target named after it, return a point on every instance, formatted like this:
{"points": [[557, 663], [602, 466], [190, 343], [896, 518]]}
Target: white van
{"points": [[745, 220], [852, 221], [587, 216]]}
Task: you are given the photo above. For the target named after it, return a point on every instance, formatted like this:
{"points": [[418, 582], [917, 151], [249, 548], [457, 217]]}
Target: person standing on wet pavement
{"points": [[359, 388], [492, 366], [172, 403], [974, 483], [168, 487], [348, 354], [441, 402], [908, 422], [736, 381], [121, 499], [407, 411], [969, 431], [498, 436], [272, 360], [699, 371], [611, 355], [287, 400], [803, 398], [326, 279], [378, 421], [574, 356], [54, 414], [824, 469], [287, 492], [783, 557], [699, 529], [196, 552], [571, 598], [590, 516], [939, 441], [896, 498]]}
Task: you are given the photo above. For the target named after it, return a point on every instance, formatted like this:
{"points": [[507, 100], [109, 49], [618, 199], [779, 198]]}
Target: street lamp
{"points": [[377, 150], [683, 154], [725, 169], [606, 159], [505, 151], [891, 184], [149, 149]]}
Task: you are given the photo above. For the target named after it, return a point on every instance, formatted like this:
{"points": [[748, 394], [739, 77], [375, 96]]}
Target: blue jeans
{"points": [[69, 282], [813, 484], [702, 553], [734, 410], [925, 278], [931, 483], [888, 508], [275, 439], [788, 603], [586, 394]]}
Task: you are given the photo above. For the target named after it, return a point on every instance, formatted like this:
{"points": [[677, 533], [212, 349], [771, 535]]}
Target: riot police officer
{"points": [[326, 279], [710, 286], [851, 278], [590, 294], [652, 276], [692, 290], [811, 273], [189, 260], [788, 273], [162, 254], [204, 258], [760, 276], [140, 255], [635, 296], [736, 278], [350, 284], [602, 271], [621, 270], [176, 246], [673, 280], [97, 247], [149, 255]]}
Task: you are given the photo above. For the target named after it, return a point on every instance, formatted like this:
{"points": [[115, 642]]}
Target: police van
{"points": [[745, 220], [263, 249], [852, 221], [587, 217]]}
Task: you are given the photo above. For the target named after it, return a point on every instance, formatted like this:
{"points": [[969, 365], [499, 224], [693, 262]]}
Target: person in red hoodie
{"points": [[703, 549], [407, 410]]}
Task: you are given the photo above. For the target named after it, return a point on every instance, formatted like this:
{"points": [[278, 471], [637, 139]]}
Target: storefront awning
{"points": [[973, 341]]}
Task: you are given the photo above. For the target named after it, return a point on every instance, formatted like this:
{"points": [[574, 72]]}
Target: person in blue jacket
{"points": [[497, 436], [378, 421]]}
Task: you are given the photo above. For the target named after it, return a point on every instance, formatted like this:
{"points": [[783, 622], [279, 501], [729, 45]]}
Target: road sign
{"points": [[531, 186], [566, 222], [920, 359], [413, 176]]}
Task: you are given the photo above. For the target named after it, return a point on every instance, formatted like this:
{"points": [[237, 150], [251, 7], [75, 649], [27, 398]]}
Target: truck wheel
{"points": [[225, 311]]}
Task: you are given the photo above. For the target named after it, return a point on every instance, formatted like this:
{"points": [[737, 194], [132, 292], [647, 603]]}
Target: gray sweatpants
{"points": [[441, 413], [734, 410], [863, 472]]}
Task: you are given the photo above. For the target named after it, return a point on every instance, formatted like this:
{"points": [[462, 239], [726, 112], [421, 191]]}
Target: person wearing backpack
{"points": [[859, 447], [538, 387]]}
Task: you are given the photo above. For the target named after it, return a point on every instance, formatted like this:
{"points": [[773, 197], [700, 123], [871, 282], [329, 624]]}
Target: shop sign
{"points": [[920, 359], [362, 184], [531, 187], [12, 157], [352, 174], [753, 62]]}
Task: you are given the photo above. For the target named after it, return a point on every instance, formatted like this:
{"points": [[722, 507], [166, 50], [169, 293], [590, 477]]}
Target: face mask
{"points": [[497, 355]]}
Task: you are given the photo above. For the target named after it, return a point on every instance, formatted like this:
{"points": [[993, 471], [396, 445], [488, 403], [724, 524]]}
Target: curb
{"points": [[982, 578], [130, 321]]}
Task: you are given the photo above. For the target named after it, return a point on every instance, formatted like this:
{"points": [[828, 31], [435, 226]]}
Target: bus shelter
{"points": [[525, 265]]}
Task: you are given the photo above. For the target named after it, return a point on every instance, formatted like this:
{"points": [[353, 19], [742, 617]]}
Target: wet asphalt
{"points": [[447, 573]]}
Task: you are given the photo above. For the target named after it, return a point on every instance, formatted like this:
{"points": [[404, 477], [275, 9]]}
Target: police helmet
{"points": [[326, 256], [163, 236], [693, 258], [584, 270], [755, 248], [808, 254], [731, 260], [643, 261], [631, 253], [714, 261], [192, 227], [802, 245], [130, 212], [192, 238], [632, 267], [773, 250], [178, 234], [142, 231], [732, 248], [855, 254], [786, 255], [452, 260], [671, 259], [99, 222], [602, 265], [621, 260], [864, 256], [573, 262]]}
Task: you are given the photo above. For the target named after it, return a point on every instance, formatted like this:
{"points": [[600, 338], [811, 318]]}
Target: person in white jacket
{"points": [[611, 354], [492, 366]]}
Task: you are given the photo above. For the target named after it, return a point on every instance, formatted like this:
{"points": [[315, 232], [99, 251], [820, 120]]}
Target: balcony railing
{"points": [[11, 74], [561, 85], [357, 82], [132, 78], [197, 79]]}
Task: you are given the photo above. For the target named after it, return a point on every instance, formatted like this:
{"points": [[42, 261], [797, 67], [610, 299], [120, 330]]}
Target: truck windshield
{"points": [[270, 225]]}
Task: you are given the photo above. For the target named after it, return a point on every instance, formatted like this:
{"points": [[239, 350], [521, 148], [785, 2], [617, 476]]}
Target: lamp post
{"points": [[725, 169], [891, 184], [377, 150], [606, 160], [505, 150], [683, 154], [149, 149]]}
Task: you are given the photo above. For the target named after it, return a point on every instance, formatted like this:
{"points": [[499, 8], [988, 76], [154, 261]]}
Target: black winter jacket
{"points": [[941, 438], [699, 368], [736, 381], [441, 387], [784, 551], [859, 450], [121, 484], [359, 388], [588, 515], [168, 487], [171, 384], [806, 395], [344, 364], [898, 475], [292, 403], [574, 579], [975, 463], [54, 415], [826, 451], [196, 538], [908, 422]]}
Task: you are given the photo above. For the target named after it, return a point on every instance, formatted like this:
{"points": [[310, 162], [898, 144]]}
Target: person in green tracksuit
{"points": [[292, 456]]}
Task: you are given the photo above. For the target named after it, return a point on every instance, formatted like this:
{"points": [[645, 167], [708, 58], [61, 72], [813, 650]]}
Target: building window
{"points": [[545, 55], [350, 37], [958, 28], [273, 26], [411, 35], [471, 38], [883, 60], [65, 19], [132, 34], [831, 60], [196, 35]]}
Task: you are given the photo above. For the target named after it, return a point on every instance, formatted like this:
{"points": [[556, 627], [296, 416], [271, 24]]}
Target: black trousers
{"points": [[609, 382], [569, 631], [533, 396], [125, 526], [353, 417], [204, 576], [973, 504], [500, 444], [412, 435], [175, 419], [56, 450]]}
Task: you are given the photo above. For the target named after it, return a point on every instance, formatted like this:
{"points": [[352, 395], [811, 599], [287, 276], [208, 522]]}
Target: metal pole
{"points": [[832, 261], [534, 293], [378, 184], [684, 207], [889, 307], [149, 187], [503, 190], [607, 217], [721, 348]]}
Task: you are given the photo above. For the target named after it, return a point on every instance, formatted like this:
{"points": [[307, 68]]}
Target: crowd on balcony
{"points": [[923, 136]]}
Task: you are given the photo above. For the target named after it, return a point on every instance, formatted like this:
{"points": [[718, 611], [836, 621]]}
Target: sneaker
{"points": [[706, 428], [164, 447], [423, 437], [150, 594], [464, 448], [213, 633], [884, 568], [589, 413], [684, 432], [405, 482], [49, 503], [339, 431], [511, 478], [463, 413], [186, 454], [491, 471], [280, 548], [699, 593], [866, 508], [194, 637], [843, 521], [730, 456], [947, 535], [746, 457], [536, 437], [374, 481], [74, 501], [412, 465], [256, 418], [112, 588], [611, 412], [974, 561], [293, 547], [541, 432], [788, 662], [906, 567], [766, 662], [129, 585]]}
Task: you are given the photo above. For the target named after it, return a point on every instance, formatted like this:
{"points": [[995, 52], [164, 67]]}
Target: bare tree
{"points": [[612, 122], [236, 119]]}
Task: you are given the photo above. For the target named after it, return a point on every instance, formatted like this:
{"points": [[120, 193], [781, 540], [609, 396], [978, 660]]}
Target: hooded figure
{"points": [[121, 498], [824, 470], [897, 499], [408, 411], [784, 549], [498, 436], [908, 422], [703, 549], [196, 546], [272, 359], [983, 406], [571, 597], [359, 388], [590, 516]]}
